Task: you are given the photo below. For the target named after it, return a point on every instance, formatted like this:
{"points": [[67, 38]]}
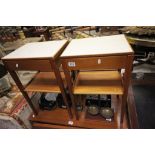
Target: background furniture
{"points": [[11, 46], [14, 110]]}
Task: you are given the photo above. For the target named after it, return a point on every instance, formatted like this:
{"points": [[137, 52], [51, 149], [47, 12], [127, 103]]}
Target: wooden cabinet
{"points": [[98, 62], [42, 57]]}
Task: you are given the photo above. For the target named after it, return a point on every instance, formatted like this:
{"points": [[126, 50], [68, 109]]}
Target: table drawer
{"points": [[40, 65], [110, 62]]}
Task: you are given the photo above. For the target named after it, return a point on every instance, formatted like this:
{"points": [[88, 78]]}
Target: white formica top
{"points": [[115, 44], [37, 50]]}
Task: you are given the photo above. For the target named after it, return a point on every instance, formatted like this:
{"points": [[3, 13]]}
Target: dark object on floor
{"points": [[3, 71], [61, 103], [5, 86], [79, 107], [145, 105], [45, 104], [99, 101]]}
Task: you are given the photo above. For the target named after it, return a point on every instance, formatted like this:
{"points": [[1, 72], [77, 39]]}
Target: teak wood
{"points": [[59, 119], [46, 61], [44, 82], [98, 82], [40, 65], [98, 62], [109, 62]]}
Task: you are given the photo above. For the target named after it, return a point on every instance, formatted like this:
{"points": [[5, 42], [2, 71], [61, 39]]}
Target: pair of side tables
{"points": [[96, 64]]}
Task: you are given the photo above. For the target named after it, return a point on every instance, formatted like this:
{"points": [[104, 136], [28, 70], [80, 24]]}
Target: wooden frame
{"points": [[127, 67], [48, 64], [105, 62]]}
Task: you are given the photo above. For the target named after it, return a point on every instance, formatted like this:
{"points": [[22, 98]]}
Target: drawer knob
{"points": [[16, 65], [99, 61]]}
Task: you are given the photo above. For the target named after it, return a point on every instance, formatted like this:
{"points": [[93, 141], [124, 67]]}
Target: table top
{"points": [[36, 50], [106, 45]]}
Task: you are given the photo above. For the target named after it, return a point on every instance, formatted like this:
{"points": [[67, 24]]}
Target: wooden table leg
{"points": [[61, 85], [69, 83], [126, 81], [21, 88]]}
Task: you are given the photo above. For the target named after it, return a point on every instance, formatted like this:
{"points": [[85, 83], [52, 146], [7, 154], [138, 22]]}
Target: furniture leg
{"points": [[69, 83], [126, 82], [21, 88], [60, 82]]}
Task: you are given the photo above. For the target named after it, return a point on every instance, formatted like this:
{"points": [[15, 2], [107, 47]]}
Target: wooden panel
{"points": [[44, 82], [40, 65], [58, 118], [51, 126], [111, 62], [98, 82]]}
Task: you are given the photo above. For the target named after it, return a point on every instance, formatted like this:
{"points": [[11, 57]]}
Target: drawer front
{"points": [[40, 65], [110, 62]]}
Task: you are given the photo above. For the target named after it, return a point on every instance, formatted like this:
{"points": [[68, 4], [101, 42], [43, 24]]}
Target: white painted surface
{"points": [[37, 50], [115, 44]]}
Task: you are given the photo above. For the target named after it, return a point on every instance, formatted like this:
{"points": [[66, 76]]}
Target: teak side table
{"points": [[42, 57], [96, 63]]}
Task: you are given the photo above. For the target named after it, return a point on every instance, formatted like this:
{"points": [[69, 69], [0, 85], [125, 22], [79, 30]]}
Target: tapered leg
{"points": [[69, 83], [21, 88], [61, 85], [126, 81]]}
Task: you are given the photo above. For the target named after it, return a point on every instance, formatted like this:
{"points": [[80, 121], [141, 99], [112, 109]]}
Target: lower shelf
{"points": [[51, 126], [59, 118]]}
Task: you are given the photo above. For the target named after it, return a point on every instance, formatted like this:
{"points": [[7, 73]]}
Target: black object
{"points": [[144, 96], [79, 107], [45, 104], [97, 28], [108, 101], [95, 103], [92, 100], [3, 71], [61, 103]]}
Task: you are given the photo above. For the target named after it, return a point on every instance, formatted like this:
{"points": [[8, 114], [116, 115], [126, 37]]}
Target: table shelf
{"points": [[98, 82], [44, 82], [58, 118]]}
